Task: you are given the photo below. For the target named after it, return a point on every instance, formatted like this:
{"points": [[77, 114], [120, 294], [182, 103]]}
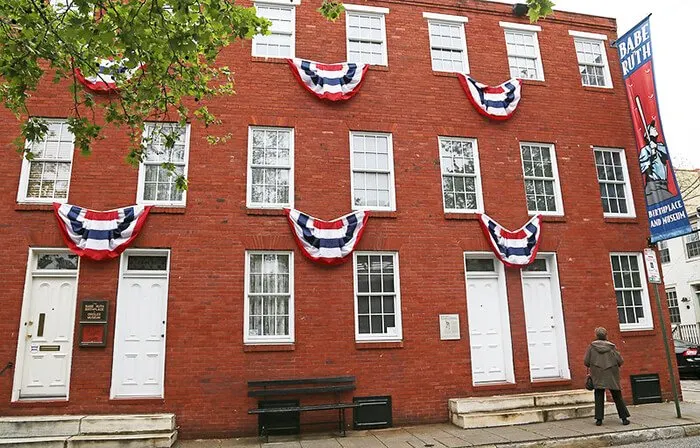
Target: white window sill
{"points": [[463, 211], [369, 209], [163, 204], [41, 202], [251, 342], [377, 341], [617, 215], [588, 86], [644, 328], [533, 213]]}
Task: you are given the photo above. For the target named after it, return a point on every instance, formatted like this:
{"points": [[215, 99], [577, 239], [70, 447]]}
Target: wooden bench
{"points": [[334, 386]]}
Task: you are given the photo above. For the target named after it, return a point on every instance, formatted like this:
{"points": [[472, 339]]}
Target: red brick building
{"points": [[232, 299]]}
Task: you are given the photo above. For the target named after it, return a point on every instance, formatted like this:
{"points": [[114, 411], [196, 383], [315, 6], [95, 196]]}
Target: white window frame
{"points": [[677, 306], [444, 19], [687, 240], [530, 29], [398, 336], [631, 212], [649, 321], [392, 186], [141, 186], [290, 5], [477, 176], [275, 339], [22, 197], [663, 248], [249, 183], [351, 9], [555, 174], [598, 39]]}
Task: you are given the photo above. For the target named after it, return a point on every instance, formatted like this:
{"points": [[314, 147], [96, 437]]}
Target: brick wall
{"points": [[206, 364]]}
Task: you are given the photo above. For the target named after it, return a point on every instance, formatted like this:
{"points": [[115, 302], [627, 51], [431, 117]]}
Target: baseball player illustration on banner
{"points": [[653, 161]]}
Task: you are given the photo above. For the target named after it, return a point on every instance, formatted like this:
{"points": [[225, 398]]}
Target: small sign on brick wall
{"points": [[449, 327]]}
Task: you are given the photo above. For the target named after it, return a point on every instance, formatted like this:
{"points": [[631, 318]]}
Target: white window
{"points": [[615, 190], [461, 176], [269, 292], [592, 59], [633, 309], [377, 296], [372, 169], [664, 252], [270, 167], [523, 48], [157, 184], [365, 27], [46, 178], [448, 43], [280, 42], [674, 312], [692, 245], [542, 189]]}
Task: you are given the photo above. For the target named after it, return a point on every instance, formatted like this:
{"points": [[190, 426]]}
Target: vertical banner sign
{"points": [[665, 208]]}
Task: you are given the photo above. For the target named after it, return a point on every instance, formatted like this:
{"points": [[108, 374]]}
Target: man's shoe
{"points": [[600, 422], [625, 422]]}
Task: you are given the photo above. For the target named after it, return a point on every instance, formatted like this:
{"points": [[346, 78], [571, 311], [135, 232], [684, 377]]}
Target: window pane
{"points": [[480, 265], [147, 263], [57, 261]]}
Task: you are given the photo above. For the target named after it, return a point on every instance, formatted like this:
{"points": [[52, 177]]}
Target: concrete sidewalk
{"points": [[648, 422]]}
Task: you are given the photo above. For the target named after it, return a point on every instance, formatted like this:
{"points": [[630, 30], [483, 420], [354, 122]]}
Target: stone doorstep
{"points": [[154, 440], [39, 426], [525, 416], [38, 442], [518, 401], [120, 424]]}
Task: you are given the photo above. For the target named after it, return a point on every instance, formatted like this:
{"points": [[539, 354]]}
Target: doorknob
{"points": [[29, 336]]}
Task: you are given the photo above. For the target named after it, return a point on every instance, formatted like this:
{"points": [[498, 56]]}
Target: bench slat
{"points": [[327, 380], [300, 390]]}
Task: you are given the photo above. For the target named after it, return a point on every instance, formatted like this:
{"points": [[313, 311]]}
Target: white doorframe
{"points": [[557, 309], [507, 339], [122, 270], [34, 252]]}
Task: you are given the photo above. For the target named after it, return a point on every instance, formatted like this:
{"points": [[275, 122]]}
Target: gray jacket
{"points": [[604, 361]]}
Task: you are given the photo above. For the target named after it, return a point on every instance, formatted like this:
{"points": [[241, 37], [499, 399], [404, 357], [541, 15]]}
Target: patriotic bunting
{"points": [[496, 103], [514, 249], [328, 242], [104, 80], [329, 81], [99, 235]]}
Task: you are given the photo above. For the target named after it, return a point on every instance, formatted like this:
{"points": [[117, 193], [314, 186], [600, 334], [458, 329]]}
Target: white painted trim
{"points": [[463, 36], [281, 2], [385, 46], [538, 54], [24, 173], [588, 35], [392, 184], [249, 176], [507, 338], [285, 5], [645, 293], [26, 306], [557, 181], [397, 301], [262, 340], [606, 66], [445, 17], [519, 26], [477, 172], [629, 198], [123, 273], [365, 8], [141, 183], [557, 310]]}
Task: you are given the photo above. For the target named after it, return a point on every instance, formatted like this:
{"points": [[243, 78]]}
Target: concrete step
{"points": [[127, 424], [519, 401], [33, 442], [526, 415], [39, 426], [153, 440]]}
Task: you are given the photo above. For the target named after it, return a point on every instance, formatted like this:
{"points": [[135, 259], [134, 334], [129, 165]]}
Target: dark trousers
{"points": [[619, 404]]}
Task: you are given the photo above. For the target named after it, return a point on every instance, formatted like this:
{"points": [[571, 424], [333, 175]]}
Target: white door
{"points": [[46, 331], [139, 337], [544, 322], [489, 324]]}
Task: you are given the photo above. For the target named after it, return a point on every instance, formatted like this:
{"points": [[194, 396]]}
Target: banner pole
{"points": [[668, 351]]}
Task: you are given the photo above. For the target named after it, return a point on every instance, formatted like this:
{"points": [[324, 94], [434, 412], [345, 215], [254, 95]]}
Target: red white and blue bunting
{"points": [[329, 81], [104, 80], [328, 242], [99, 235], [514, 249], [496, 103]]}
